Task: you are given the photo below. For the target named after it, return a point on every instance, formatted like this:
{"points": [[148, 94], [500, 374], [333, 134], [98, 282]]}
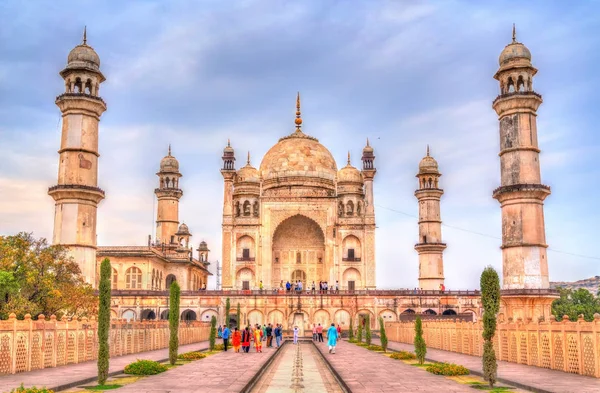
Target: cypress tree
{"points": [[227, 309], [383, 336], [368, 329], [238, 316], [213, 333], [104, 321], [490, 299], [420, 346], [174, 322], [351, 331], [360, 330]]}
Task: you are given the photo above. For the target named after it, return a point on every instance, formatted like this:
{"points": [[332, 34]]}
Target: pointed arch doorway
{"points": [[299, 274]]}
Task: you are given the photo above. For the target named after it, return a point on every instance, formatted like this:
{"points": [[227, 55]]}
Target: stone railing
{"points": [[573, 347], [27, 345]]}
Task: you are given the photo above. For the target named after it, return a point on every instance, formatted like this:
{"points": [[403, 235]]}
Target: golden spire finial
{"points": [[427, 150], [298, 120], [228, 143], [368, 142], [348, 157], [84, 35], [169, 150], [248, 162], [514, 33]]}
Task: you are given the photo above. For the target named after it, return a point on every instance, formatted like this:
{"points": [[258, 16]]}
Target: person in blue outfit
{"points": [[225, 335], [332, 337]]}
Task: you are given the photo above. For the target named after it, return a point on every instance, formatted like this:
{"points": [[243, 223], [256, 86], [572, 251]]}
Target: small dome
{"points": [[349, 174], [428, 164], [368, 148], [228, 148], [85, 55], [203, 246], [514, 50], [169, 163], [248, 173], [183, 230]]}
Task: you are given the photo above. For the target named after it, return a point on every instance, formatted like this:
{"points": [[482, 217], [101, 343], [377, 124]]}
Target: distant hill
{"points": [[591, 284]]}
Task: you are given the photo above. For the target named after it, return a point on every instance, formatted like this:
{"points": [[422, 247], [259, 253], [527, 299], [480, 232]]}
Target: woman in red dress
{"points": [[236, 340], [246, 339]]}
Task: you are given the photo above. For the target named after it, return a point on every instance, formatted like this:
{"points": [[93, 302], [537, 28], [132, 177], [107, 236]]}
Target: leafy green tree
{"points": [[383, 336], [420, 346], [213, 333], [104, 321], [490, 299], [174, 321], [38, 278], [360, 329], [351, 331], [368, 329], [227, 309], [238, 317], [574, 303]]}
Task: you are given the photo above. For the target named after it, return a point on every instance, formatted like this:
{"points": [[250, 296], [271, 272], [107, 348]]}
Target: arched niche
{"points": [[352, 250]]}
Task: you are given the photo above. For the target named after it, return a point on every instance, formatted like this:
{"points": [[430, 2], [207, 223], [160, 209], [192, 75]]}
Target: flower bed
{"points": [[403, 355], [22, 389], [191, 356], [448, 369], [145, 367]]}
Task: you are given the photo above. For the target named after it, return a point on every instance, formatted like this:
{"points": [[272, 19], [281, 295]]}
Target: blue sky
{"points": [[402, 73]]}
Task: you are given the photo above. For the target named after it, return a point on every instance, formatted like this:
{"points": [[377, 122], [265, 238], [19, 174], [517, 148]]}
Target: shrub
{"points": [[174, 322], [368, 329], [403, 355], [219, 347], [33, 389], [490, 299], [383, 336], [145, 367], [420, 346], [238, 317], [360, 330], [227, 309], [191, 356], [374, 347], [364, 345], [448, 369], [351, 332], [104, 321], [213, 333]]}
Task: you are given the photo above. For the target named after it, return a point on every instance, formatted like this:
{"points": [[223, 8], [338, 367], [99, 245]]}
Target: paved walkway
{"points": [[367, 371], [64, 377], [222, 372], [528, 377]]}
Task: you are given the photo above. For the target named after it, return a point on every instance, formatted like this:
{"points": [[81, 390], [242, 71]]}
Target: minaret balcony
{"points": [[76, 191], [80, 95], [168, 192], [431, 247], [517, 191], [517, 101]]}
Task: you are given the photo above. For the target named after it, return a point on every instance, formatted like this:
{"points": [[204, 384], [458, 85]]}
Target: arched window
{"points": [[247, 208], [350, 208], [114, 279], [520, 84], [133, 278], [511, 85]]}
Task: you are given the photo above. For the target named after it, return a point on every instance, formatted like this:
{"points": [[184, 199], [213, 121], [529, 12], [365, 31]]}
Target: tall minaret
{"points": [[168, 194], [228, 172], [77, 194], [368, 172], [430, 246], [521, 194]]}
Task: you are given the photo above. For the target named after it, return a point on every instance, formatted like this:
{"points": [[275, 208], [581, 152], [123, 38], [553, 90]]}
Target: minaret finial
{"points": [[169, 150], [248, 162], [427, 150], [84, 35], [298, 120], [228, 143], [514, 33], [348, 157], [368, 142]]}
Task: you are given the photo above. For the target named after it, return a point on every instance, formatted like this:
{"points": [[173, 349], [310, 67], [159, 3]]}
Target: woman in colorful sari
{"points": [[236, 340], [332, 336], [258, 338], [246, 334]]}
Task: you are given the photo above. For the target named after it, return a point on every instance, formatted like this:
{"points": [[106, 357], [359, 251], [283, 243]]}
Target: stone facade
{"points": [[298, 218]]}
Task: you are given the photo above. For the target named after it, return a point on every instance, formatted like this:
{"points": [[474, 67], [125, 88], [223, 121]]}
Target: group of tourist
{"points": [[258, 334]]}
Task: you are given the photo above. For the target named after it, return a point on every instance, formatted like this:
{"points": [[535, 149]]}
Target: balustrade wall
{"points": [[27, 345], [573, 347]]}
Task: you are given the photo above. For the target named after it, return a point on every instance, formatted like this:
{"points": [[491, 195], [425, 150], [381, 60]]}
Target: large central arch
{"points": [[298, 244]]}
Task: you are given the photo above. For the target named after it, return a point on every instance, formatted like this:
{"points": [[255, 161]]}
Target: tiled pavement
{"points": [[539, 379], [367, 371], [222, 372], [59, 378]]}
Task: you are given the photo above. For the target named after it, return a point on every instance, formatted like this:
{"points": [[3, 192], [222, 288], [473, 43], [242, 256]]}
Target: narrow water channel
{"points": [[299, 368]]}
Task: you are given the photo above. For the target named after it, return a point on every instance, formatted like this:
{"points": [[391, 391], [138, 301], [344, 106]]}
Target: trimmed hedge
{"points": [[145, 367], [33, 389], [191, 356], [374, 347], [448, 369], [403, 355]]}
